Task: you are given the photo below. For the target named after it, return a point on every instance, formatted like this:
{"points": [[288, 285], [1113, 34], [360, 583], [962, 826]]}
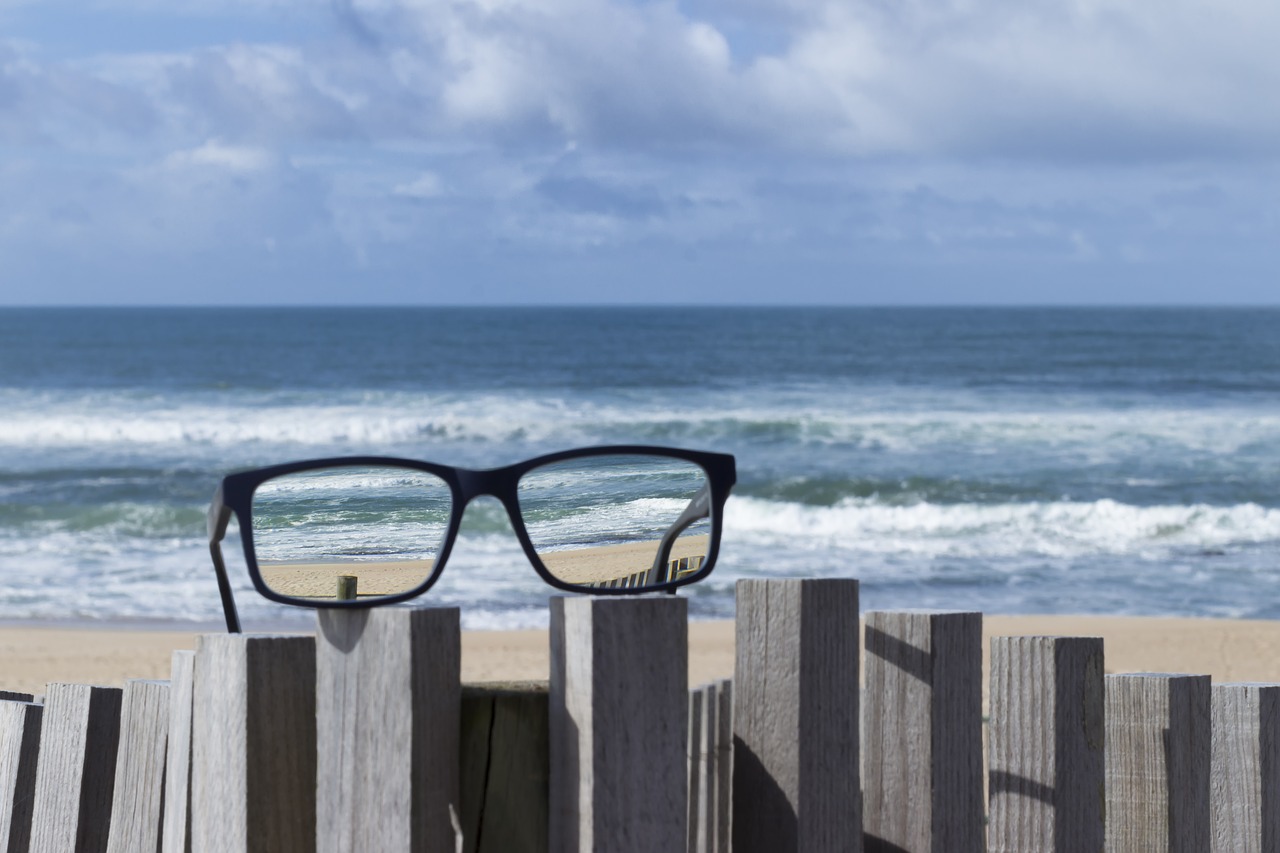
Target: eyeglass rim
{"points": [[234, 496]]}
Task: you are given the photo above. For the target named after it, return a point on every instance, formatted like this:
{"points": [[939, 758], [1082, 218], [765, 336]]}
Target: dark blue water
{"points": [[1013, 460]]}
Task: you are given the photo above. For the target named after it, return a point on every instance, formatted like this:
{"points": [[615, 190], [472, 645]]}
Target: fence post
{"points": [[697, 771], [505, 767], [176, 832], [795, 717], [19, 747], [1245, 814], [618, 717], [724, 764], [1159, 735], [710, 782], [253, 745], [138, 800], [387, 694], [1046, 742], [76, 769], [922, 733]]}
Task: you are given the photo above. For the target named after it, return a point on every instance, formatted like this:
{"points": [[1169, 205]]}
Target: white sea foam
{"points": [[361, 422], [1065, 529]]}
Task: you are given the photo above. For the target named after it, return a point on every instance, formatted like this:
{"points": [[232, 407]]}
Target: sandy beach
{"points": [[1229, 650], [587, 566]]}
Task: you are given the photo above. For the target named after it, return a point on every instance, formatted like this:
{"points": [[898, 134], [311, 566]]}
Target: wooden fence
{"points": [[363, 739]]}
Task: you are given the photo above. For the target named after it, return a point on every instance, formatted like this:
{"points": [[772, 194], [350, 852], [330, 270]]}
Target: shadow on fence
{"points": [[363, 739]]}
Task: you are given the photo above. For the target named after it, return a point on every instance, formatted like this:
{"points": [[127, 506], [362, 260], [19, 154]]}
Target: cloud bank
{"points": [[564, 150]]}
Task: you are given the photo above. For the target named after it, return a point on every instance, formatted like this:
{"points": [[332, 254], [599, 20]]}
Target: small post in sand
{"points": [[346, 587]]}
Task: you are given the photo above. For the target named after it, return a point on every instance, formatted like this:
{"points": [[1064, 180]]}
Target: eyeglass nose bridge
{"points": [[499, 483]]}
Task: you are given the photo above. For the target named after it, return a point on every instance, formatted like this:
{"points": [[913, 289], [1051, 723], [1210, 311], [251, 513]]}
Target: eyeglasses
{"points": [[367, 530]]}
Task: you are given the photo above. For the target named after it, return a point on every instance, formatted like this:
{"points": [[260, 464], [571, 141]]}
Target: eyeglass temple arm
{"points": [[219, 517], [699, 508]]}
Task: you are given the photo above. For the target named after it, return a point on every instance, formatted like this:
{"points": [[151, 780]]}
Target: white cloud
{"points": [[424, 186], [232, 158], [955, 132]]}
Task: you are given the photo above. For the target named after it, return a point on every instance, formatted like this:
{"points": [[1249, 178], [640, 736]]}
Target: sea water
{"points": [[1008, 460]]}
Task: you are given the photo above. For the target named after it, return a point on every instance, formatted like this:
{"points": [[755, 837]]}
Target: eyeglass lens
{"points": [[346, 532], [375, 531], [599, 521]]}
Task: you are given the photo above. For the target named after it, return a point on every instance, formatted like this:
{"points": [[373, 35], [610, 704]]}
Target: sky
{"points": [[610, 151]]}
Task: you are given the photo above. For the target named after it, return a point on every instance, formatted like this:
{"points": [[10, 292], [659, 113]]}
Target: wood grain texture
{"points": [[922, 733], [19, 751], [619, 718], [795, 717], [137, 808], [253, 748], [697, 768], [1245, 771], [724, 764], [80, 732], [1046, 745], [706, 722], [1159, 735], [175, 836], [388, 692], [505, 767]]}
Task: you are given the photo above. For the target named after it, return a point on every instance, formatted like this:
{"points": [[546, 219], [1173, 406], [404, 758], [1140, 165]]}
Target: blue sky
{"points": [[713, 151]]}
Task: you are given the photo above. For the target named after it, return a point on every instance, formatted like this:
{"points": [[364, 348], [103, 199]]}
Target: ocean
{"points": [[1118, 461]]}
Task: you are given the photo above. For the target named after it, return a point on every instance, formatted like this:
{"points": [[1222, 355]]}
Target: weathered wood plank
{"points": [[922, 733], [795, 717], [1159, 745], [724, 764], [253, 749], [387, 687], [619, 717], [138, 797], [75, 776], [697, 768], [1245, 771], [19, 750], [1046, 745], [176, 832], [705, 818], [505, 767]]}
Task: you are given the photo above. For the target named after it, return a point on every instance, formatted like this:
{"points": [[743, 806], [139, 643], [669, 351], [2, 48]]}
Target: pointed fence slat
{"points": [[795, 717], [1158, 763], [1245, 774], [1046, 737], [19, 749], [253, 786], [387, 704], [75, 776], [922, 733], [618, 719]]}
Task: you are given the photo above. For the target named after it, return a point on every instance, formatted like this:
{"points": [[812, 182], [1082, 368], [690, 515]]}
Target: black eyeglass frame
{"points": [[234, 496]]}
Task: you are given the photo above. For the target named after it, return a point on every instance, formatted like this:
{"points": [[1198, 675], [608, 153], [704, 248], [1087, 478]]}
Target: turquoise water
{"points": [[1013, 460]]}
